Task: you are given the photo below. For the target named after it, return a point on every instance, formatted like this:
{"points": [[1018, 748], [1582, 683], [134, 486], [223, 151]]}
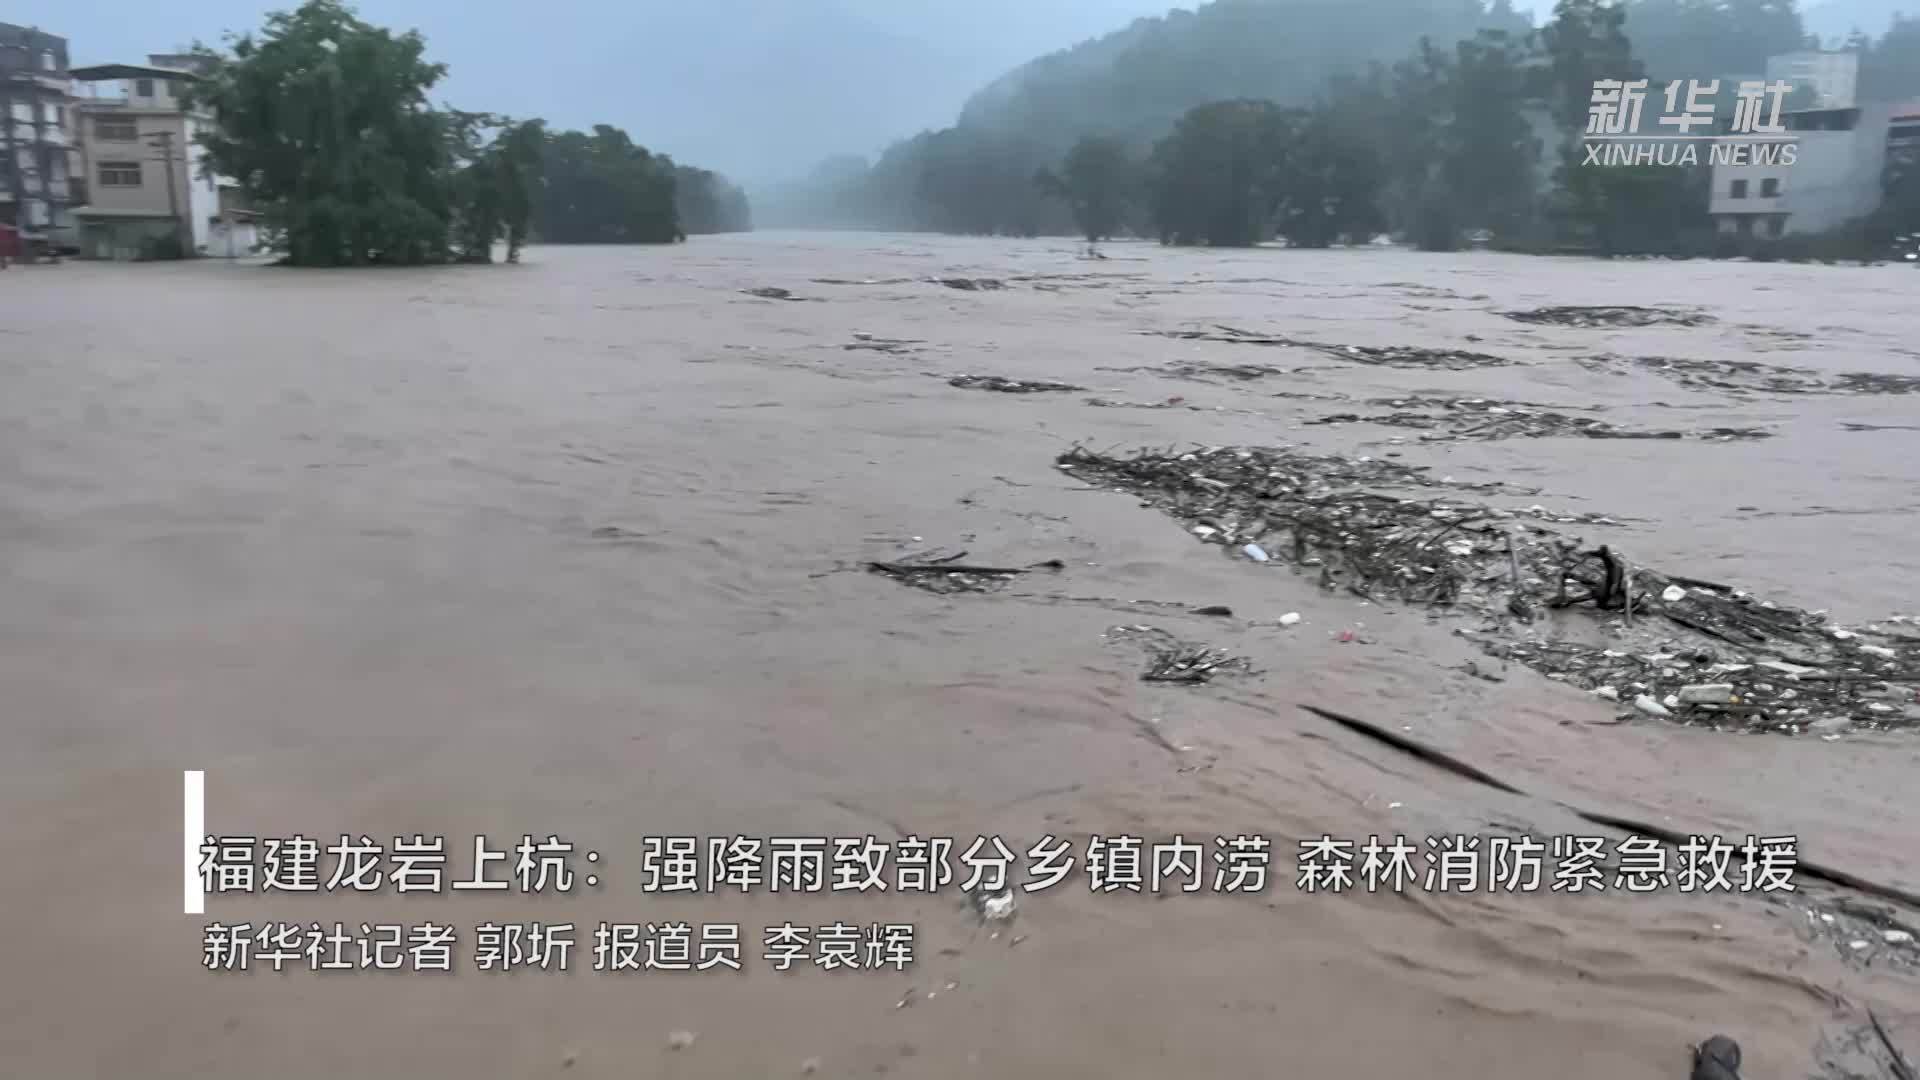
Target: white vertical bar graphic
{"points": [[194, 827]]}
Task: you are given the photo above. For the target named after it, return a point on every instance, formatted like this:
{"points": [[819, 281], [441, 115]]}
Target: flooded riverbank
{"points": [[577, 547]]}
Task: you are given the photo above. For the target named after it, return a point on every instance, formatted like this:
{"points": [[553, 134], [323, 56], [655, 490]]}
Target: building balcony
{"points": [[51, 82]]}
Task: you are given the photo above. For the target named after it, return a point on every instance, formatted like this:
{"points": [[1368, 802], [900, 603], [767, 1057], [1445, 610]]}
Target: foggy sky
{"points": [[759, 89]]}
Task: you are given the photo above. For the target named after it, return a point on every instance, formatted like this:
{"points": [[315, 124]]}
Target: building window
{"points": [[1738, 190], [1776, 226], [1770, 187], [143, 88], [46, 60], [115, 129], [119, 174]]}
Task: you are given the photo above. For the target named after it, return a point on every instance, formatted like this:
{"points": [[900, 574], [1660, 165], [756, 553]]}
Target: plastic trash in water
{"points": [[1673, 594], [1649, 706], [1255, 552], [1291, 618]]}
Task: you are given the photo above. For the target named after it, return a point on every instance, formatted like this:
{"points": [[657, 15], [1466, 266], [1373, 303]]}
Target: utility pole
{"points": [[180, 234]]}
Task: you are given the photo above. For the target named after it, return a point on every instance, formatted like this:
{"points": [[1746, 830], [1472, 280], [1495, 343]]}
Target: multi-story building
{"points": [[146, 185], [1834, 175], [35, 194]]}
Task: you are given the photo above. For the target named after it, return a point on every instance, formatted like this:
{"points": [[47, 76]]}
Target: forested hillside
{"points": [[1316, 120], [1137, 82]]}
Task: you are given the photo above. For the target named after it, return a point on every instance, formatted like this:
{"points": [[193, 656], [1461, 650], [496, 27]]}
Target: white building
{"points": [[1833, 77], [1838, 158]]}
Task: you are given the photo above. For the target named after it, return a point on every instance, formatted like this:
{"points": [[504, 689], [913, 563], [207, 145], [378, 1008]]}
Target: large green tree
{"points": [[1330, 182], [708, 203], [1216, 180], [1489, 152], [604, 188], [1097, 181], [497, 167], [1615, 209], [324, 120]]}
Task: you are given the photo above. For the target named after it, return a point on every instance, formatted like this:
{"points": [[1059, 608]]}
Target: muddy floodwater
{"points": [[576, 548]]}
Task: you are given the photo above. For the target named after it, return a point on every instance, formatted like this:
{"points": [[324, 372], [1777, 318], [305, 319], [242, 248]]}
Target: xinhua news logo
{"points": [[1756, 135]]}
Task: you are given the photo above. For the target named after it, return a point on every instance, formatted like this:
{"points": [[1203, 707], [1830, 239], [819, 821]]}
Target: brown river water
{"points": [[573, 547]]}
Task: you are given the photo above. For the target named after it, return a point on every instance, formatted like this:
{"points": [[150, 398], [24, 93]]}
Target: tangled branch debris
{"points": [[1621, 315], [1012, 386], [951, 576], [1400, 356], [971, 284], [895, 346], [1464, 418], [1860, 932], [1241, 372], [1872, 382], [1172, 660], [1690, 650]]}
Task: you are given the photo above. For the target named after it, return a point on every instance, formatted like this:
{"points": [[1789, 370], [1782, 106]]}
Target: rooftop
{"points": [[100, 72]]}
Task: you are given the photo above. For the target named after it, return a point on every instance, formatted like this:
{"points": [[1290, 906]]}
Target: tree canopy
{"points": [[324, 120]]}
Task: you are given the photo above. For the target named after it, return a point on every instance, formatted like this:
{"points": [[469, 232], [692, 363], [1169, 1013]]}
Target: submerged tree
{"points": [[1097, 183], [498, 165], [1331, 180], [708, 203], [1488, 152], [324, 121], [603, 188], [1216, 179]]}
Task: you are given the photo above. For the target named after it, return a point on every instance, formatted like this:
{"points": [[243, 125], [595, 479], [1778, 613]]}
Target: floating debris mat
{"points": [[970, 284], [771, 293], [1474, 419], [1172, 660], [1239, 372], [1689, 650], [1321, 512], [1400, 356], [1750, 377], [1741, 375], [1872, 382], [1725, 689], [1608, 315], [952, 576], [1012, 386]]}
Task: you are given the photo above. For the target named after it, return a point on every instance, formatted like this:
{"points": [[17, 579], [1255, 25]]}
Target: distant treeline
{"points": [[605, 189], [1250, 119], [324, 121]]}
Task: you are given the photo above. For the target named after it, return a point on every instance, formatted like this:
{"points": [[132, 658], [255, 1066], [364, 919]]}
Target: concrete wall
{"points": [[118, 238], [204, 191], [151, 196]]}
